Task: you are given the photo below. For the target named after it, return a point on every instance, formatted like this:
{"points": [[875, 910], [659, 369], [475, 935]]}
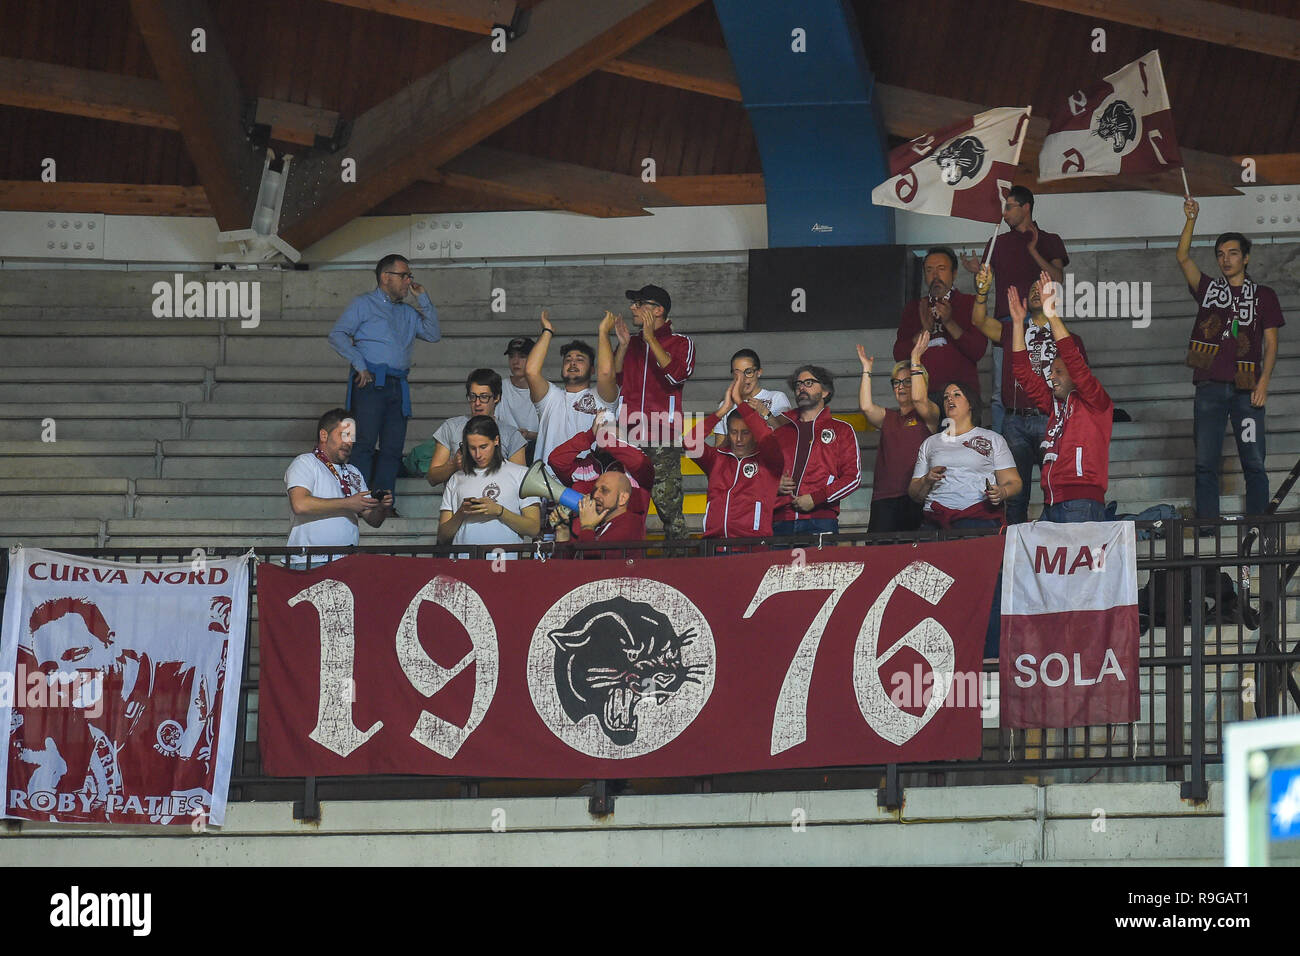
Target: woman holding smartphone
{"points": [[481, 503]]}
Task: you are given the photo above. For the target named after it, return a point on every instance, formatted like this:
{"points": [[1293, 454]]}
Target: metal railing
{"points": [[1209, 666]]}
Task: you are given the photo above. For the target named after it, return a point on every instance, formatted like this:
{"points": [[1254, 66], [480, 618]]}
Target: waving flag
{"points": [[1121, 125], [1069, 651], [964, 170]]}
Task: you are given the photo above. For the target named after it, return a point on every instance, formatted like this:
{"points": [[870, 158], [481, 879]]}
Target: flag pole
{"points": [[1187, 192]]}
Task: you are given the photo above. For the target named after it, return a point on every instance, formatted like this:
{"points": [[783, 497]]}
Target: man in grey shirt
{"points": [[483, 392]]}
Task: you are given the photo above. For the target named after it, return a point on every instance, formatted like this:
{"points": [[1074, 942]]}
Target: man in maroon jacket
{"points": [[822, 465], [651, 370], [604, 516], [955, 346], [1076, 456], [581, 460], [744, 477]]}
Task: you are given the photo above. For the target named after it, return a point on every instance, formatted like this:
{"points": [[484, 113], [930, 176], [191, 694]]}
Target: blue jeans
{"points": [[1024, 435], [999, 412], [1216, 402], [1075, 511], [378, 412]]}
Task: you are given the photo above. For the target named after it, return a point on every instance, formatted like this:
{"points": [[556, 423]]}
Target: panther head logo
{"points": [[1117, 123], [980, 444], [613, 655], [585, 404], [962, 158], [491, 491], [750, 469]]}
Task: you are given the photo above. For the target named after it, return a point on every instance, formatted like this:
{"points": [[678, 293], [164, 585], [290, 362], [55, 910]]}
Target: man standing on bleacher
{"points": [[822, 464], [652, 368], [374, 334], [1233, 349]]}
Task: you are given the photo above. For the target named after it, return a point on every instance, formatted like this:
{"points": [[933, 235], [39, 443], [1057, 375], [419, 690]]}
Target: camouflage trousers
{"points": [[667, 490]]}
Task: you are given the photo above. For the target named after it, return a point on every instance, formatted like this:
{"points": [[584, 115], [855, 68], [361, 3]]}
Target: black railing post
{"points": [[1173, 648], [1270, 677], [307, 810], [891, 796], [1196, 788], [602, 801]]}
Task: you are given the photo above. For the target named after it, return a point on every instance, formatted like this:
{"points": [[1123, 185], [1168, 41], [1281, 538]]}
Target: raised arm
{"points": [[875, 413], [606, 380], [428, 328], [979, 316], [1191, 209], [1021, 368], [927, 409], [537, 384]]}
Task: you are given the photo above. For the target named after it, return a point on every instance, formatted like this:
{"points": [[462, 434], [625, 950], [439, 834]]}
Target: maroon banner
{"points": [[377, 664]]}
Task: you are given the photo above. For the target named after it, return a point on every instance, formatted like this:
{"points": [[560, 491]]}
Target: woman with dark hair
{"points": [[964, 473], [481, 503]]}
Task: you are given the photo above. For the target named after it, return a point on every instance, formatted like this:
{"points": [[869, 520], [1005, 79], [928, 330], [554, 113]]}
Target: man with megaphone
{"points": [[606, 498]]}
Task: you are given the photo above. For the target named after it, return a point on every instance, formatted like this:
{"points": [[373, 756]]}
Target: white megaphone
{"points": [[540, 483]]}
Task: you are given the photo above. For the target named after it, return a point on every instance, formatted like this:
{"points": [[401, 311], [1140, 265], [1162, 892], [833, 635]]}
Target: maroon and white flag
{"points": [[119, 688], [1069, 651], [964, 170], [1122, 125]]}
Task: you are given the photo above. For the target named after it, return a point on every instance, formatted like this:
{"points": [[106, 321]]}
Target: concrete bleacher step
{"points": [[105, 421], [42, 532]]}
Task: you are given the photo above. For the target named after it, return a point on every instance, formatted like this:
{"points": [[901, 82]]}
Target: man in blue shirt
{"points": [[375, 334]]}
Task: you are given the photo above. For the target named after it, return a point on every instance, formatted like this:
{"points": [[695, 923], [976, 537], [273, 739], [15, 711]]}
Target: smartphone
{"points": [[378, 493]]}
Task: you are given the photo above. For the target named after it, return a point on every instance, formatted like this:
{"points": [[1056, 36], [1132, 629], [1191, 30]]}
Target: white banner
{"points": [[119, 686]]}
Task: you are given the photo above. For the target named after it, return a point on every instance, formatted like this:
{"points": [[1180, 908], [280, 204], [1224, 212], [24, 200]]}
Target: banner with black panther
{"points": [[377, 664], [1123, 124]]}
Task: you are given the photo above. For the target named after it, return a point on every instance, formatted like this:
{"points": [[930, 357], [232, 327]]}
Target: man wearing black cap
{"points": [[515, 397], [651, 370]]}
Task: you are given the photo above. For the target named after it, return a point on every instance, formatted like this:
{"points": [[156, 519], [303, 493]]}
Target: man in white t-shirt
{"points": [[326, 494], [483, 393], [515, 396], [564, 412], [481, 504], [749, 367]]}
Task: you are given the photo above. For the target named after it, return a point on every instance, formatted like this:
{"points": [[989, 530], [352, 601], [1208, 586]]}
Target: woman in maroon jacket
{"points": [[902, 431], [1076, 453]]}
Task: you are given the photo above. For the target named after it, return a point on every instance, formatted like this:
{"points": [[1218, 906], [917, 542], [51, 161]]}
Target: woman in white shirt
{"points": [[481, 503], [964, 473]]}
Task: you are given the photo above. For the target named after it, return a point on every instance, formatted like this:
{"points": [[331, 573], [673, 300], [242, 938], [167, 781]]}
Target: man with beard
{"points": [[564, 412], [955, 348], [375, 334], [822, 464], [605, 516], [652, 368], [327, 494]]}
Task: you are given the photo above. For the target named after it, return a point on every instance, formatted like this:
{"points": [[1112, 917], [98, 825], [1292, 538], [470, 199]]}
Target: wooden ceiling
{"points": [[97, 87]]}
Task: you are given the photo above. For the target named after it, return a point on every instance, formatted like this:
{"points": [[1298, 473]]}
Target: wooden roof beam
{"points": [[99, 95], [473, 95], [1215, 23], [112, 199], [533, 181], [472, 16], [206, 101]]}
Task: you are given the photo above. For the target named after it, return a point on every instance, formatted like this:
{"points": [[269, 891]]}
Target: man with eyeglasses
{"points": [[1018, 258], [651, 370], [822, 465], [955, 347], [375, 334], [446, 457]]}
